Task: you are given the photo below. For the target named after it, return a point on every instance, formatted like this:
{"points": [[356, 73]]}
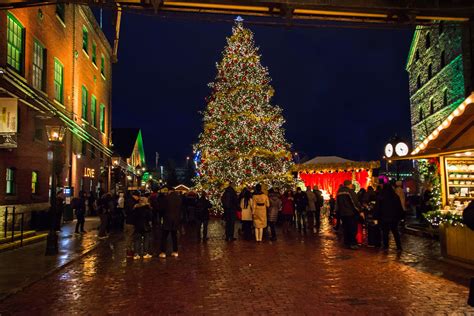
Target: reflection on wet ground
{"points": [[296, 274]]}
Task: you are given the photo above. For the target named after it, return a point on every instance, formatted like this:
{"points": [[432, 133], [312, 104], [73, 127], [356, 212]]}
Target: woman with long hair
{"points": [[246, 207], [260, 205]]}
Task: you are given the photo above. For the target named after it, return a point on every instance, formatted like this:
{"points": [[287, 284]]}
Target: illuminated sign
{"points": [[89, 173], [8, 122]]}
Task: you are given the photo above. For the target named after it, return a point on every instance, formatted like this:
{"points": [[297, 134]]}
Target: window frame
{"points": [[84, 102], [94, 53], [421, 114], [94, 111], [432, 109], [10, 188], [427, 40], [11, 45], [34, 184], [102, 118], [61, 11], [430, 71], [42, 68], [59, 84], [85, 40]]}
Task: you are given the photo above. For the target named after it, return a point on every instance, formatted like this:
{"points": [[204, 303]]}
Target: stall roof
{"points": [[334, 163], [326, 159], [454, 135]]}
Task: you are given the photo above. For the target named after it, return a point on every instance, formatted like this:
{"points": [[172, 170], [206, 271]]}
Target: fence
{"points": [[13, 222]]}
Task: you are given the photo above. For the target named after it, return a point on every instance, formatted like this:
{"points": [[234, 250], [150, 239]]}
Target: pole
{"points": [[52, 239]]}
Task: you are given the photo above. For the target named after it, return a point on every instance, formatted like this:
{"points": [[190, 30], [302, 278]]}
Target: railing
{"points": [[13, 214]]}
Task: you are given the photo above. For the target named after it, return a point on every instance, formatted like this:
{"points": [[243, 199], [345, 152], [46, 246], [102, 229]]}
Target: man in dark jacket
{"points": [[79, 205], [202, 215], [171, 221], [319, 205], [389, 212], [230, 203], [350, 211], [301, 202], [142, 233]]}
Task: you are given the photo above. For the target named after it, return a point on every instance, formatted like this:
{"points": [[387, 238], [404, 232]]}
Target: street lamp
{"points": [[396, 147], [55, 138]]}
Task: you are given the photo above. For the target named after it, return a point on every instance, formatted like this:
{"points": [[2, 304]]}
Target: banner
{"points": [[8, 122]]}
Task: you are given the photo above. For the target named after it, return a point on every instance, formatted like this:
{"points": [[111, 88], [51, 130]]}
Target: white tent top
{"points": [[326, 160]]}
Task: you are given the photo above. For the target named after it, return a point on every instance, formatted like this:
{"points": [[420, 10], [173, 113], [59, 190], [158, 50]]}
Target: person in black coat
{"points": [[171, 221], [301, 201], [203, 207], [389, 212], [230, 203], [80, 208], [142, 223]]}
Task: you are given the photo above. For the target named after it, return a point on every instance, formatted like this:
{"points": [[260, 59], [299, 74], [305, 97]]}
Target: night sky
{"points": [[344, 91]]}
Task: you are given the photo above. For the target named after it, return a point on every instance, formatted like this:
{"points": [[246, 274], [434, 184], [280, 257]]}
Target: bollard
{"points": [[470, 301]]}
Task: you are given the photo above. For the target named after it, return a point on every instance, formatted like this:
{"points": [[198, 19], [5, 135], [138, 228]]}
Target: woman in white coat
{"points": [[246, 207]]}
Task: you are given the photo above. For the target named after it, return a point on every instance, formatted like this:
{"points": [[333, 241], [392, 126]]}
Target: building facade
{"points": [[55, 68], [439, 68]]}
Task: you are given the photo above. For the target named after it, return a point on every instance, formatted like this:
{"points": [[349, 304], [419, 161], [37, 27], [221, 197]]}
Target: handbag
{"points": [[239, 214]]}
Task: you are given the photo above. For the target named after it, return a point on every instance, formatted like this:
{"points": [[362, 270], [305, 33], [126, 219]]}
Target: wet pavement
{"points": [[23, 266], [294, 275]]}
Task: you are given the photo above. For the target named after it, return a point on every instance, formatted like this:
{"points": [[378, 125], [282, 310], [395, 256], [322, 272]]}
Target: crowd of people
{"points": [[258, 212]]}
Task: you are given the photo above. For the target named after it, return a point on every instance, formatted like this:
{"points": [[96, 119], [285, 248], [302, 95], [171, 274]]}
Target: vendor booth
{"points": [[451, 146], [329, 172]]}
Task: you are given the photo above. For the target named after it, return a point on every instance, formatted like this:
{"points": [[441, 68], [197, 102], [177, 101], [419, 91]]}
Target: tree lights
{"points": [[243, 140]]}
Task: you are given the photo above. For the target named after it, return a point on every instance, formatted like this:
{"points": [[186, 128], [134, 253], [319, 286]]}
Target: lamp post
{"points": [[55, 154], [396, 147]]}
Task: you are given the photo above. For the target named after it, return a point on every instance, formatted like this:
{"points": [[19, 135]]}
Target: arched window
{"points": [[445, 98], [427, 40], [443, 59], [418, 82], [430, 71], [417, 55], [421, 114], [432, 106]]}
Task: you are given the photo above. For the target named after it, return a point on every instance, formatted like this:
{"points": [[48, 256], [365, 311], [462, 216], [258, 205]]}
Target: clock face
{"points": [[389, 150], [401, 149]]}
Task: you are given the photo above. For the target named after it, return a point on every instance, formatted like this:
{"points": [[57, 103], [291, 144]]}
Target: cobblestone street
{"points": [[295, 275]]}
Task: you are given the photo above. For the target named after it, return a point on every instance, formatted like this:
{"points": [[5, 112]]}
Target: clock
{"points": [[389, 150], [401, 149]]}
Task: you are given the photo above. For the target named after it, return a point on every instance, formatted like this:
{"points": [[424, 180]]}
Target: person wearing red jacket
{"points": [[288, 210]]}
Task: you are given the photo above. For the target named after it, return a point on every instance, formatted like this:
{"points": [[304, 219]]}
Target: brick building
{"points": [[55, 65], [440, 74]]}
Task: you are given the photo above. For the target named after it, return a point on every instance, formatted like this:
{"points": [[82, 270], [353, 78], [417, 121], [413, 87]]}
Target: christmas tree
{"points": [[243, 140]]}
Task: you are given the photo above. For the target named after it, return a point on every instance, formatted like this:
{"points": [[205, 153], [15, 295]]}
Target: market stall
{"points": [[329, 172], [450, 147]]}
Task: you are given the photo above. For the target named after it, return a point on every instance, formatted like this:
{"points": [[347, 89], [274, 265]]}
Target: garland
{"points": [[335, 167], [437, 217]]}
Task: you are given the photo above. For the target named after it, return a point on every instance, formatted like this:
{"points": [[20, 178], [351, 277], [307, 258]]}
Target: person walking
{"points": [[310, 208], [260, 205], [273, 210], [80, 208], [319, 205], [230, 203], [171, 221], [389, 212], [142, 232], [301, 202], [246, 207], [203, 207], [103, 214], [288, 210], [350, 211]]}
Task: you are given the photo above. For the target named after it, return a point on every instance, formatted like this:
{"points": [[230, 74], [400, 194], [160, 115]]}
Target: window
{"points": [[84, 148], [102, 118], [94, 53], [417, 55], [445, 98], [441, 27], [102, 65], [16, 43], [39, 69], [430, 71], [85, 96], [418, 82], [94, 111], [11, 181], [85, 39], [61, 11], [431, 106], [34, 182], [58, 81], [443, 59], [421, 115], [428, 41]]}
